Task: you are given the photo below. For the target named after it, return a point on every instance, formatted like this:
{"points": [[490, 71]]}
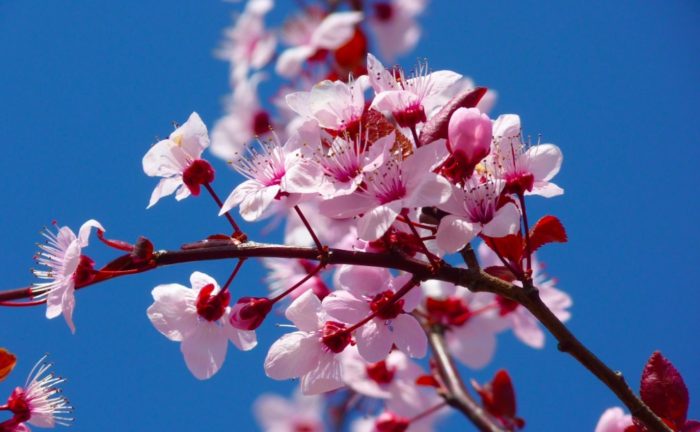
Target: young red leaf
{"points": [[547, 230], [663, 389], [510, 247], [436, 127], [7, 363], [498, 398]]}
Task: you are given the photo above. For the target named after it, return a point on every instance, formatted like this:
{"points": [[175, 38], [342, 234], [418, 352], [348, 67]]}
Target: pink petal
{"points": [[289, 63], [194, 136], [526, 329], [302, 177], [255, 204], [160, 160], [505, 221], [413, 297], [345, 307], [376, 222], [326, 376], [173, 313], [303, 312], [347, 206], [336, 29], [545, 189], [544, 161], [205, 350], [68, 305], [473, 344], [409, 336], [199, 280], [362, 280], [455, 232], [293, 355], [374, 340], [244, 340], [433, 190], [613, 420]]}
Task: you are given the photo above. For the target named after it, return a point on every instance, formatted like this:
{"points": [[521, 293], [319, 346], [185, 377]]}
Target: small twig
{"points": [[317, 242], [228, 216], [469, 258]]}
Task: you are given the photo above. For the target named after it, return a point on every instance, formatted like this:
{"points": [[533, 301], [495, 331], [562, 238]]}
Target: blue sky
{"points": [[87, 87]]}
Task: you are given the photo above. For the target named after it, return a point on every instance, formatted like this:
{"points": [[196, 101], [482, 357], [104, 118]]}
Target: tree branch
{"points": [[469, 278]]}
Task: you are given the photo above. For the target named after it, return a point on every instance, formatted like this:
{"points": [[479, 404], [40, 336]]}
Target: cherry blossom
{"points": [[198, 318], [312, 34], [469, 138], [410, 100], [365, 290], [248, 44], [613, 420], [66, 267], [400, 183], [526, 169], [273, 171], [395, 27], [471, 319], [244, 120], [177, 160], [339, 233], [474, 210], [311, 352], [335, 105], [300, 414], [39, 402], [282, 271]]}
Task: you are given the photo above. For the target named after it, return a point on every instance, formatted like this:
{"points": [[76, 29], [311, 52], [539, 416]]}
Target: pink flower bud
{"points": [[249, 312], [469, 136]]}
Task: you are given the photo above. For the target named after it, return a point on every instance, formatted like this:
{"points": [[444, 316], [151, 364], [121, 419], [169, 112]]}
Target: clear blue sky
{"points": [[87, 87]]}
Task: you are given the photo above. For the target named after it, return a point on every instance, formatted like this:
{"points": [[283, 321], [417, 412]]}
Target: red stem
{"points": [[319, 246], [239, 264], [228, 216], [311, 274]]}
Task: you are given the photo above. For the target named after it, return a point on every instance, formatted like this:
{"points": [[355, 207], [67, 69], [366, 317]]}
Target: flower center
{"points": [[335, 337], [381, 305], [198, 173], [450, 311], [302, 426], [383, 11], [17, 403], [380, 373], [505, 306], [261, 123], [212, 307], [519, 183], [411, 115]]}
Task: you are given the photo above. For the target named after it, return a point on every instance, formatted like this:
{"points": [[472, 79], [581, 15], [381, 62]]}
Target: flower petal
{"points": [[409, 336], [326, 376], [205, 349], [544, 161], [303, 312], [345, 307], [293, 355], [374, 340], [455, 232], [505, 221], [377, 221], [173, 313]]}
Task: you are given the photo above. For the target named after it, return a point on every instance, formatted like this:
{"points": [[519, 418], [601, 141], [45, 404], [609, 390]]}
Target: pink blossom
{"points": [[248, 44], [469, 134], [335, 105], [365, 290], [410, 100], [524, 325], [245, 119], [400, 183], [273, 171], [474, 210], [472, 321], [283, 272], [39, 402], [66, 266], [526, 169], [177, 160], [198, 318], [338, 233], [395, 27], [614, 420], [312, 32], [312, 352], [301, 413]]}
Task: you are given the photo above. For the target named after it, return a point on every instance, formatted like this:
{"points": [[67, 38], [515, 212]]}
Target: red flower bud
{"points": [[249, 312]]}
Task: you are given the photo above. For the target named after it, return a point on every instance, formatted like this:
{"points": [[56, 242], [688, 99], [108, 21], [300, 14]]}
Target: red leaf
{"points": [[7, 363], [663, 389], [510, 247], [547, 230], [498, 396], [436, 127]]}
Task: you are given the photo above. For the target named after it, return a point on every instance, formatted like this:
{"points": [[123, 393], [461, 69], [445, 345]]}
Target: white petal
{"points": [[545, 189], [239, 193], [336, 29], [205, 350], [84, 233], [472, 344], [431, 191], [347, 206], [290, 61], [374, 340], [526, 329], [293, 355], [162, 161], [255, 204], [302, 177], [345, 307], [455, 232], [363, 280], [199, 280], [165, 187], [244, 340]]}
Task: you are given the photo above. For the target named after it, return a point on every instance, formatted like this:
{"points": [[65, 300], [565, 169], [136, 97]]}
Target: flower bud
{"points": [[249, 312], [198, 173], [469, 136]]}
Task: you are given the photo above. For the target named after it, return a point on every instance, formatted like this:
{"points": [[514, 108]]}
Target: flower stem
{"points": [[317, 242], [239, 264], [236, 228], [311, 274]]}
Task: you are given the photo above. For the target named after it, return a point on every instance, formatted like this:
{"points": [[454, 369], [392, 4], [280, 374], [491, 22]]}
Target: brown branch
{"points": [[474, 281], [456, 394]]}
